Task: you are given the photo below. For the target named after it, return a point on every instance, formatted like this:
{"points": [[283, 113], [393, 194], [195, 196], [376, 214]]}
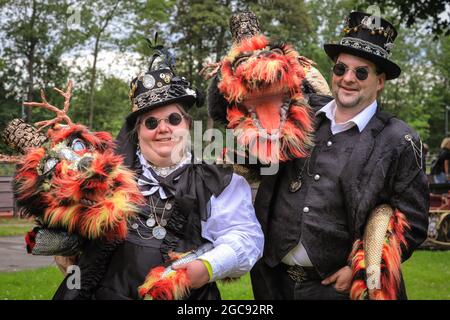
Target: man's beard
{"points": [[346, 102]]}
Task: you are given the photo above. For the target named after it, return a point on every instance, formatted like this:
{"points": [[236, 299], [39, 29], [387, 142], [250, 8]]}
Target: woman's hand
{"points": [[196, 271], [64, 262]]}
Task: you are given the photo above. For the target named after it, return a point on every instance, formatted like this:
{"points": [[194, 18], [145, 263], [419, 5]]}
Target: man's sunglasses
{"points": [[173, 119], [340, 69]]}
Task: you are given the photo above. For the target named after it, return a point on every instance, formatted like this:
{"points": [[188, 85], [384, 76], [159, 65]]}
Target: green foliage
{"points": [[429, 13], [112, 105], [197, 32], [36, 37], [439, 96]]}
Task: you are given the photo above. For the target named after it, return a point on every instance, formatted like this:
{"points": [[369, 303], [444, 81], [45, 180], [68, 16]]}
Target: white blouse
{"points": [[234, 231], [232, 227]]}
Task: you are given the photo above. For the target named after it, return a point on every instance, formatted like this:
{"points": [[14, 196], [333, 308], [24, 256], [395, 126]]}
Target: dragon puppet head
{"points": [[72, 180], [258, 93]]}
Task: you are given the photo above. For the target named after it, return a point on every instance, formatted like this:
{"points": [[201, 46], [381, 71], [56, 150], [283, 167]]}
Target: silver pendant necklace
{"points": [[157, 227], [296, 183], [159, 232]]}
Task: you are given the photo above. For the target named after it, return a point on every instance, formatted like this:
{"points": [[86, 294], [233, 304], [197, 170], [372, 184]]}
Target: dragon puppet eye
{"points": [[78, 145], [50, 164], [239, 61]]}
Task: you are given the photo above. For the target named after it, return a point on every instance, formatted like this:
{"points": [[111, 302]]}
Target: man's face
{"points": [[348, 90]]}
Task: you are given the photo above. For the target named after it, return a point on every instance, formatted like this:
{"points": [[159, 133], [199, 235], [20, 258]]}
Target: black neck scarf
{"points": [[192, 192]]}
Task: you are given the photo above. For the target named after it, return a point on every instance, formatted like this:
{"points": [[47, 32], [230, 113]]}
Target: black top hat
{"points": [[159, 86], [369, 37]]}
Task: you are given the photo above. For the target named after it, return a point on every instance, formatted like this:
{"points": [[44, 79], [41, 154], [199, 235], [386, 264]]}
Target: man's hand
{"points": [[197, 273], [342, 279]]}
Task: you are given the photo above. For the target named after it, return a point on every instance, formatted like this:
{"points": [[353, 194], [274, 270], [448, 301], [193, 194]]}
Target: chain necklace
{"points": [[157, 227], [165, 171], [296, 183], [159, 232], [418, 150]]}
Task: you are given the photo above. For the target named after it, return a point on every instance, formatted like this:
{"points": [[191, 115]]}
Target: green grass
{"points": [[6, 231], [427, 276], [236, 290], [38, 284], [15, 227], [9, 221]]}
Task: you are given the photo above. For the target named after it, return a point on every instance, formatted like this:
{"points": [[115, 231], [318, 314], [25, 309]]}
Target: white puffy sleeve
{"points": [[234, 230]]}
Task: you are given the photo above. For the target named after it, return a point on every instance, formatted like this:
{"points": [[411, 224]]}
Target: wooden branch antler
{"points": [[210, 70], [61, 115], [9, 159]]}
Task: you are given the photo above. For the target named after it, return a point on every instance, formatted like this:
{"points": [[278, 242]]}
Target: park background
{"points": [[101, 46]]}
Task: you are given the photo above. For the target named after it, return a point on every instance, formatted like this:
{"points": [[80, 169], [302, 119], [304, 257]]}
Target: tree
{"points": [[112, 104], [439, 97], [36, 36], [431, 13], [113, 25], [327, 23]]}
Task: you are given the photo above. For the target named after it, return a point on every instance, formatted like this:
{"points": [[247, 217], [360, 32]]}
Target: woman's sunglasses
{"points": [[340, 69], [173, 119]]}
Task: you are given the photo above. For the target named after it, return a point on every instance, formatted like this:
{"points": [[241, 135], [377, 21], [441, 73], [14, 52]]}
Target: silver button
{"points": [[305, 209], [317, 177], [329, 143]]}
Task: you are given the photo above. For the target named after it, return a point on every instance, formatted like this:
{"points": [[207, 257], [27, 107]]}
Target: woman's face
{"points": [[165, 144]]}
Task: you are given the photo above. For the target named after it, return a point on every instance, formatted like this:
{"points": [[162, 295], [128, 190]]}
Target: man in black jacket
{"points": [[314, 209]]}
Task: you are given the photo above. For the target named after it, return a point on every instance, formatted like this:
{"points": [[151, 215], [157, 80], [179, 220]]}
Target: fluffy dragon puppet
{"points": [[274, 130], [70, 181], [257, 92]]}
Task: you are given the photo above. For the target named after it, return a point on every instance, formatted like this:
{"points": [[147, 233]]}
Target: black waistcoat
{"points": [[315, 213]]}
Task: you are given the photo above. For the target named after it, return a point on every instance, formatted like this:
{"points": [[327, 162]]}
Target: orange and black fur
{"points": [[86, 191], [254, 69]]}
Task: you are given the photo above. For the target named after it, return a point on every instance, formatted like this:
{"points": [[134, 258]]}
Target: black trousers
{"points": [[276, 284]]}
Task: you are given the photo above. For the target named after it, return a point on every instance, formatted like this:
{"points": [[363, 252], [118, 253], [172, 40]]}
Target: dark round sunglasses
{"points": [[340, 69], [173, 119]]}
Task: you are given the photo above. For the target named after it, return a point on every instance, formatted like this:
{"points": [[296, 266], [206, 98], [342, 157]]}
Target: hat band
{"points": [[151, 97], [365, 46]]}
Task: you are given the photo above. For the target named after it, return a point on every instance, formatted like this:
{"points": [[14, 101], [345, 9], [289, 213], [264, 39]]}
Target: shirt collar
{"points": [[361, 119]]}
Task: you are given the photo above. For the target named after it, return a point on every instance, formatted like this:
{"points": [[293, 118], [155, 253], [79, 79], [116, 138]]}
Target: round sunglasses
{"points": [[340, 69], [173, 119]]}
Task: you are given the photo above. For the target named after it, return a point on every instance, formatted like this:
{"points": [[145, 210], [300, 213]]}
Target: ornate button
{"points": [[148, 81], [305, 209], [329, 143], [168, 206], [317, 177]]}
